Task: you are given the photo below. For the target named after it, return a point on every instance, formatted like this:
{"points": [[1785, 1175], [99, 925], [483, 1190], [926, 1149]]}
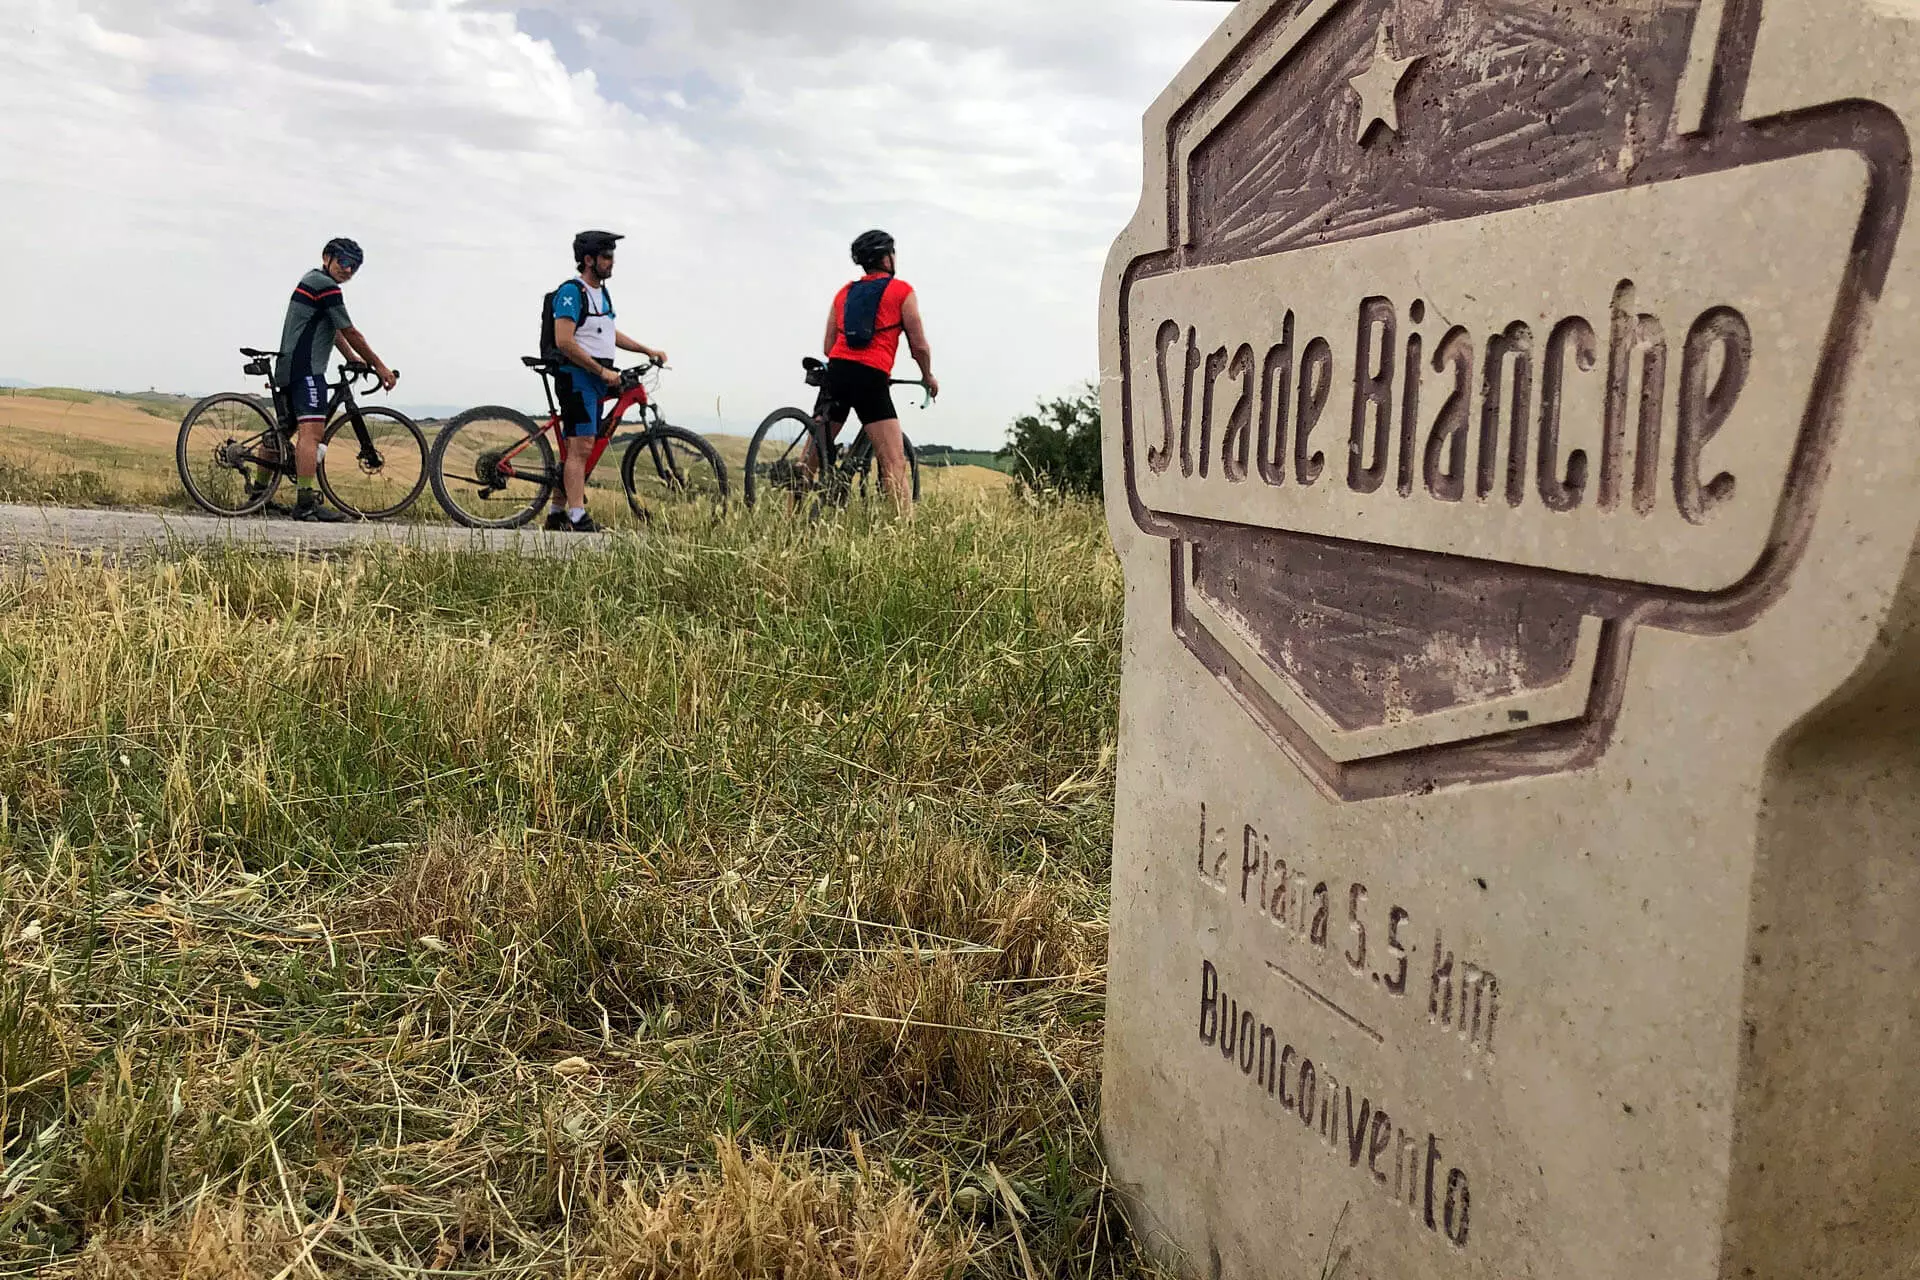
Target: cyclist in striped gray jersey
{"points": [[317, 324]]}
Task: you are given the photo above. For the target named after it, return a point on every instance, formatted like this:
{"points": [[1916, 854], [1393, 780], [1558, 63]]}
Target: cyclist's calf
{"points": [[890, 451]]}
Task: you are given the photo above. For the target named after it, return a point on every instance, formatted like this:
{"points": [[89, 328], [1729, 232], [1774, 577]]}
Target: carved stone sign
{"points": [[1513, 451]]}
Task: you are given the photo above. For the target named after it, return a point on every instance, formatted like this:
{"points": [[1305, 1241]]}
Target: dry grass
{"points": [[946, 890], [913, 1035], [756, 1217], [399, 913], [75, 449], [59, 416], [214, 1242]]}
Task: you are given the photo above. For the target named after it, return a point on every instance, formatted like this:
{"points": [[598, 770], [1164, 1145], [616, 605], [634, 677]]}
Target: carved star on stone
{"points": [[1379, 87]]}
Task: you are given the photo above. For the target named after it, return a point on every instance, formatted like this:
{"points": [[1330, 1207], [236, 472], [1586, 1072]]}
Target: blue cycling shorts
{"points": [[307, 398], [580, 394]]}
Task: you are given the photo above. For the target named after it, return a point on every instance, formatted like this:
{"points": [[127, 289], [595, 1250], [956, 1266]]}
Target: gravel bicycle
{"points": [[495, 468], [786, 450], [234, 449]]}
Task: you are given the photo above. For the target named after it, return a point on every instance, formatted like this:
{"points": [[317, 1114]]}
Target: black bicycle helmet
{"points": [[588, 243], [871, 249], [344, 251]]}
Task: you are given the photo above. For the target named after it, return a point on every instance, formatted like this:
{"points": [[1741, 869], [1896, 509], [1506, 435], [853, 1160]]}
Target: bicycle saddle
{"points": [[535, 362], [251, 354]]}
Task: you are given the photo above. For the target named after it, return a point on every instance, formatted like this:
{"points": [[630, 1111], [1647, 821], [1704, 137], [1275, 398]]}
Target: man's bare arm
{"points": [[833, 332], [622, 342], [917, 342], [358, 342]]}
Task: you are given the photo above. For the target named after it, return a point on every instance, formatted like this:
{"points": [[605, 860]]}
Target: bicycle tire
{"points": [[761, 459], [404, 464], [683, 448], [529, 496], [913, 467], [213, 489]]}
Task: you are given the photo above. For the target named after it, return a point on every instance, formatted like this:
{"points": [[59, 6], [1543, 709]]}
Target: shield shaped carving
{"points": [[1422, 470]]}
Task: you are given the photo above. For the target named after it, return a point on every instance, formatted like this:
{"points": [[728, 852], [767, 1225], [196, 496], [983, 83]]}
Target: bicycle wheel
{"points": [[492, 468], [913, 468], [381, 485], [228, 454], [774, 459], [671, 469]]}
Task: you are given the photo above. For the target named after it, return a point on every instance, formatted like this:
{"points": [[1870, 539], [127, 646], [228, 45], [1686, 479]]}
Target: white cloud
{"points": [[169, 167]]}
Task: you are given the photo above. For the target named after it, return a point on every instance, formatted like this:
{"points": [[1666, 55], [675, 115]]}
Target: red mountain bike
{"points": [[495, 468]]}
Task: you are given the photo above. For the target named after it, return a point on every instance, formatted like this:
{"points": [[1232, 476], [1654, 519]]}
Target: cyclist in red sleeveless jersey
{"points": [[864, 329]]}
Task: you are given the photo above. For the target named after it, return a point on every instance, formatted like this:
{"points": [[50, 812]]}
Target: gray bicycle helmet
{"points": [[870, 251]]}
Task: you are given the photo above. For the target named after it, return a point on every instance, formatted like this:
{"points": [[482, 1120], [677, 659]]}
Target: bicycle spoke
{"points": [[493, 468], [381, 475], [780, 461], [228, 455], [782, 464], [670, 472]]}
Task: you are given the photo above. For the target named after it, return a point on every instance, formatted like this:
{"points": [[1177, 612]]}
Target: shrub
{"points": [[1056, 449]]}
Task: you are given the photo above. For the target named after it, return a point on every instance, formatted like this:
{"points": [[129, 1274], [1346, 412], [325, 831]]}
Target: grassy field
{"points": [[80, 448], [722, 903]]}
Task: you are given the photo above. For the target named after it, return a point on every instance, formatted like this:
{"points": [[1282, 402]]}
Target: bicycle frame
{"points": [[631, 397], [851, 460], [341, 398]]}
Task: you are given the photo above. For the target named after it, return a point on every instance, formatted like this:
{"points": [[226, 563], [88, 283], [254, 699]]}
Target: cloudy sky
{"points": [[169, 167]]}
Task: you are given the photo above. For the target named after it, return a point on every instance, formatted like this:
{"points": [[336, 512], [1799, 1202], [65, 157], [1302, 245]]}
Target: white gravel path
{"points": [[27, 530]]}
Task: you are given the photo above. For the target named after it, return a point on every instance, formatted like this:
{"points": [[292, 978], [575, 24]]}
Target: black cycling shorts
{"points": [[862, 389]]}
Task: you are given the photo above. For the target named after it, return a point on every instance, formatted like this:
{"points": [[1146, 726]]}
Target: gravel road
{"points": [[28, 530]]}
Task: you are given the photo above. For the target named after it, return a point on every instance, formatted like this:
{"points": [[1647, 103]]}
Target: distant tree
{"points": [[1057, 447]]}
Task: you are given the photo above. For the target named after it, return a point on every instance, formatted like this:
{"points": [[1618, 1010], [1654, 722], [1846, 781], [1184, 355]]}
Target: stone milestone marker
{"points": [[1513, 449]]}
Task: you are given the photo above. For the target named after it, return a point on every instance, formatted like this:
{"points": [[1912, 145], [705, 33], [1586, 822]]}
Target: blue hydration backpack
{"points": [[860, 318]]}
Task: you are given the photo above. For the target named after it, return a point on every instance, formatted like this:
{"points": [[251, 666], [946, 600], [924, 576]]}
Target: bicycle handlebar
{"points": [[354, 370], [927, 398], [630, 377]]}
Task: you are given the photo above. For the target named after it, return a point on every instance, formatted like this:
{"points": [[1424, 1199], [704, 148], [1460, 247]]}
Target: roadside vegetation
{"points": [[1056, 448], [726, 902]]}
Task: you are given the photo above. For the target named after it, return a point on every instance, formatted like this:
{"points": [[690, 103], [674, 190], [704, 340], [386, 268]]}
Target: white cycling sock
{"points": [[576, 514]]}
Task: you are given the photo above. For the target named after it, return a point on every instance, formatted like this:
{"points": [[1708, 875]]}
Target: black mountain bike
{"points": [[787, 450], [235, 448]]}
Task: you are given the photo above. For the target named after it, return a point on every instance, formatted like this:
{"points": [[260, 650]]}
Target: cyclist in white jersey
{"points": [[584, 334]]}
